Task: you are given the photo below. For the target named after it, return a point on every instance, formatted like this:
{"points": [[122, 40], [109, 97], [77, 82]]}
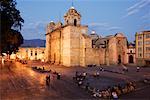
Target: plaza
{"points": [[19, 81]]}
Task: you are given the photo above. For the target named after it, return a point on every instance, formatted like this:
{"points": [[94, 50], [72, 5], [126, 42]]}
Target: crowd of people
{"points": [[110, 92]]}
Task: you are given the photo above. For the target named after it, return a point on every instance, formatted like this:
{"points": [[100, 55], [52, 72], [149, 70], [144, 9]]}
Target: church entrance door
{"points": [[119, 59], [130, 59]]}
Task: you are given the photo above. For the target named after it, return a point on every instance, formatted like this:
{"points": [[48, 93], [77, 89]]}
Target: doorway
{"points": [[131, 59], [119, 59]]}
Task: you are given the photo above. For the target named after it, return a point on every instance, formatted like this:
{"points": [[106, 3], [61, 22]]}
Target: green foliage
{"points": [[11, 23]]}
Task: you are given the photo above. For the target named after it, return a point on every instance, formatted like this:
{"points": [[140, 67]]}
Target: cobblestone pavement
{"points": [[20, 82]]}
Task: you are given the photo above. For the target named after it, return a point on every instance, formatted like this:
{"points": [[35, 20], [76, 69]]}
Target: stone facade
{"points": [[115, 49], [71, 45]]}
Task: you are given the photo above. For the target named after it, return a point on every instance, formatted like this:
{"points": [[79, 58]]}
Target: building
{"points": [[33, 49], [31, 53], [131, 53], [70, 44], [143, 48]]}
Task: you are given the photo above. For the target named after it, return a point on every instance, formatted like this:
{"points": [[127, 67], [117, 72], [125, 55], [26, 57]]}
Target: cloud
{"points": [[136, 7], [114, 28], [104, 26], [98, 24]]}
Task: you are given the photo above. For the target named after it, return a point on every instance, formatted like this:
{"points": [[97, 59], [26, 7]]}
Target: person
{"points": [[49, 78], [87, 86], [76, 73], [84, 75], [114, 95], [97, 74], [47, 82], [3, 60], [58, 76], [125, 68], [79, 83], [137, 69], [101, 68]]}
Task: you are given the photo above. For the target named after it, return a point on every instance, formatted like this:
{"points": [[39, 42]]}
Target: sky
{"points": [[106, 17]]}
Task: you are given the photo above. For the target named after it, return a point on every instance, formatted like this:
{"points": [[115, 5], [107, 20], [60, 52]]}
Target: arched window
{"points": [[75, 22], [35, 53], [31, 52]]}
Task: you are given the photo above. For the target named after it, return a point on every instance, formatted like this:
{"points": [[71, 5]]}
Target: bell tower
{"points": [[72, 17]]}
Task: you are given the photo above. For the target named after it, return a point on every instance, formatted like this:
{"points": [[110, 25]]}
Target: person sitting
{"points": [[114, 95], [79, 83], [84, 75], [97, 74], [101, 69], [137, 69]]}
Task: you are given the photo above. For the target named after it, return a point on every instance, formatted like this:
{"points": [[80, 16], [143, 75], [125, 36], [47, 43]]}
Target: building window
{"points": [[139, 37], [147, 55], [147, 48], [26, 50], [130, 51], [139, 55], [139, 49], [147, 42], [118, 41], [147, 35], [31, 53], [36, 53], [140, 43], [43, 52]]}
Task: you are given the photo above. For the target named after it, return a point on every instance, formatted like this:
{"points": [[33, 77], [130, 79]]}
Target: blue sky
{"points": [[106, 17]]}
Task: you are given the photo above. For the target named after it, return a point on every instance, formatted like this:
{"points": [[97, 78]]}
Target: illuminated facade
{"points": [[31, 53], [131, 54], [143, 48], [71, 45]]}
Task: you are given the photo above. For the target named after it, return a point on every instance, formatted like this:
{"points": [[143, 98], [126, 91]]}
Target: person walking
{"points": [[47, 82], [49, 79]]}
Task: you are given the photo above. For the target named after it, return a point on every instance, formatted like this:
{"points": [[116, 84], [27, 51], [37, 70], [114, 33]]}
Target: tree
{"points": [[11, 23]]}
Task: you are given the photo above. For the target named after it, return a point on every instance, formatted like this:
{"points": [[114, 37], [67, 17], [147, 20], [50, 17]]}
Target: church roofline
{"points": [[64, 27]]}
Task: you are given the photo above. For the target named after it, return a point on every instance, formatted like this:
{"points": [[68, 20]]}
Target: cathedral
{"points": [[70, 44]]}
